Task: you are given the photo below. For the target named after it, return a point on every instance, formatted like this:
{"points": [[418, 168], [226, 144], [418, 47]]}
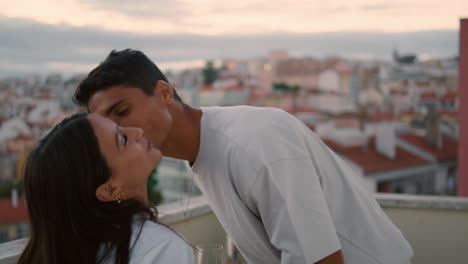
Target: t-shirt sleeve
{"points": [[292, 207]]}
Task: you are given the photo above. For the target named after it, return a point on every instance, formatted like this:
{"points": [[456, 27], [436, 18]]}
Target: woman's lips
{"points": [[150, 145]]}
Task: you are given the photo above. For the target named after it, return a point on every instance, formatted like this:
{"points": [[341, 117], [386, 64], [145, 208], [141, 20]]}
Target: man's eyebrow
{"points": [[113, 106]]}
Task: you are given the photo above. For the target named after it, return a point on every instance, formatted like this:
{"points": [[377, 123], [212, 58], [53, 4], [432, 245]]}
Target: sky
{"points": [[75, 35]]}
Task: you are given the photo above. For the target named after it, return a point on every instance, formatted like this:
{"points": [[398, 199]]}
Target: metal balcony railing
{"points": [[435, 226]]}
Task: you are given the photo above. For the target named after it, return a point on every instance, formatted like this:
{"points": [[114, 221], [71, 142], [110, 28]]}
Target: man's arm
{"points": [[335, 258]]}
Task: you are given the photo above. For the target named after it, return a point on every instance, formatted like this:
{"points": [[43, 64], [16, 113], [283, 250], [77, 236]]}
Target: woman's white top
{"points": [[157, 244]]}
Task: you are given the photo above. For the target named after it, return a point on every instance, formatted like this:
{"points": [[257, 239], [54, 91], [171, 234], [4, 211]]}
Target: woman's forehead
{"points": [[106, 133], [101, 125]]}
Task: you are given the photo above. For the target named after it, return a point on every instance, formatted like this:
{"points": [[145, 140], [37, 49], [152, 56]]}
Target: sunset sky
{"points": [[82, 32], [211, 17]]}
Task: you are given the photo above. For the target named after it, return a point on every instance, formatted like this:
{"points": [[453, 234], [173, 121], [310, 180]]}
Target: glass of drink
{"points": [[209, 254], [233, 255]]}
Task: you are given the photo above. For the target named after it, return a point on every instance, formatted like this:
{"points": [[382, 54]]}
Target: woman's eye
{"points": [[124, 140]]}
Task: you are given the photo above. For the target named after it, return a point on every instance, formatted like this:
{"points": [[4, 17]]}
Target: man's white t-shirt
{"points": [[285, 197], [157, 244]]}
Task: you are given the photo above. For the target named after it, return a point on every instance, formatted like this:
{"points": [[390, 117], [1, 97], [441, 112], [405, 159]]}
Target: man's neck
{"points": [[183, 142]]}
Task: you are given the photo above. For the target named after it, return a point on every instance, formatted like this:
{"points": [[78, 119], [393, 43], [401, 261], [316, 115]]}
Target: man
{"points": [[277, 190]]}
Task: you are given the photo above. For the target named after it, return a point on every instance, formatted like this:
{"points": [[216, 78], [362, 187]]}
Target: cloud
{"points": [[27, 46], [377, 7], [210, 17], [166, 9]]}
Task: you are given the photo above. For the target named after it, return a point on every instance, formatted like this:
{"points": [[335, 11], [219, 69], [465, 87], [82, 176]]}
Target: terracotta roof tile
{"points": [[449, 151], [449, 97], [448, 114], [381, 117], [372, 161], [295, 110], [332, 144], [206, 87], [10, 215], [429, 95], [311, 126]]}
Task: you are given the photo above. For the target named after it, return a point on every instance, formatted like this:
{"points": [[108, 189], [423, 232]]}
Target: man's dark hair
{"points": [[126, 68]]}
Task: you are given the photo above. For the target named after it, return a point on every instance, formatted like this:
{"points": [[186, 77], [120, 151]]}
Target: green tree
{"points": [[154, 195], [210, 73], [5, 189], [284, 87], [294, 88]]}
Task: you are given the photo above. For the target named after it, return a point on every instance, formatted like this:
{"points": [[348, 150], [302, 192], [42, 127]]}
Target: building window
{"points": [[3, 235]]}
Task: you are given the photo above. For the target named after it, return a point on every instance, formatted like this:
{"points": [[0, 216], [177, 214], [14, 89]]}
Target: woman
{"points": [[85, 186]]}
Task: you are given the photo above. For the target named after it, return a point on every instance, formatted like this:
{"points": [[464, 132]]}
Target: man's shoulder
{"points": [[243, 118], [259, 133], [240, 110]]}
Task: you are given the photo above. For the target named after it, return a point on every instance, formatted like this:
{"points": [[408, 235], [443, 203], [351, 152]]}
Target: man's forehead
{"points": [[103, 100]]}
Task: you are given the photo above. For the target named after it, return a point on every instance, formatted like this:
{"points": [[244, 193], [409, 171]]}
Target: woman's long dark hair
{"points": [[68, 223]]}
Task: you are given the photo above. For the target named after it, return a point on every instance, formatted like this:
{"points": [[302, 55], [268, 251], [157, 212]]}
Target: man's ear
{"points": [[107, 192], [165, 91]]}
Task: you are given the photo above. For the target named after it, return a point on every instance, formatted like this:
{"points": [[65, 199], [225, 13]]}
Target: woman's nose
{"points": [[135, 133], [138, 133]]}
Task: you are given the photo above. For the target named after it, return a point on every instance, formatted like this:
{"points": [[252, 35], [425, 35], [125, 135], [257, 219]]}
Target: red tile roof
{"points": [[449, 97], [429, 95], [258, 94], [448, 114], [449, 151], [206, 87], [411, 114], [304, 109], [10, 215], [372, 161], [394, 91], [381, 117], [332, 144], [311, 126]]}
